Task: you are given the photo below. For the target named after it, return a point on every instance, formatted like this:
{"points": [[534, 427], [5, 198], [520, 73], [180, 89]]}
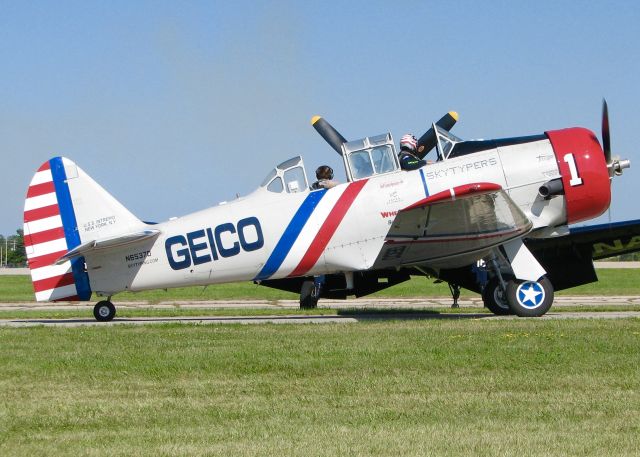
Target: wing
{"points": [[608, 240], [453, 228], [576, 251], [590, 243]]}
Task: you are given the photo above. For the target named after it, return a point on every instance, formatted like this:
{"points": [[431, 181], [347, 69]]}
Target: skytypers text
{"points": [[459, 169]]}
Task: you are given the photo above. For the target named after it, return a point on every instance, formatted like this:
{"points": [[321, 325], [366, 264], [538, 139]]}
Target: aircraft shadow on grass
{"points": [[409, 314], [359, 315]]}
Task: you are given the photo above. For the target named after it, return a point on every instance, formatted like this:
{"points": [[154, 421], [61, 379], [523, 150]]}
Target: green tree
{"points": [[13, 252], [631, 256]]}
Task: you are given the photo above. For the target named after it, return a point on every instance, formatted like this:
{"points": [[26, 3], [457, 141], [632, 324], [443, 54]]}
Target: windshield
{"points": [[289, 176], [360, 164], [383, 159], [446, 142], [367, 162], [373, 155]]}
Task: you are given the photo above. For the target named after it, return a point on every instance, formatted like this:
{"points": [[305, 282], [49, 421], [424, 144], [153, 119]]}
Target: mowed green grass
{"points": [[422, 387], [612, 282]]}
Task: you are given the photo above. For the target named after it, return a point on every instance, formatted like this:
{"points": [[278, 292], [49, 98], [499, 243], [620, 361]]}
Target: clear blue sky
{"points": [[175, 106]]}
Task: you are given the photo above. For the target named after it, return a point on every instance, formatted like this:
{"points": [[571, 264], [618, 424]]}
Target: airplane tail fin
{"points": [[64, 208]]}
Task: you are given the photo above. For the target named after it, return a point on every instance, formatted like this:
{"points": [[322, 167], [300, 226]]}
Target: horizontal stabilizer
{"points": [[106, 243]]}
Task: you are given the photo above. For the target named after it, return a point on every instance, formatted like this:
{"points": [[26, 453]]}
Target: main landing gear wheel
{"points": [[309, 295], [530, 298], [495, 299], [104, 311]]}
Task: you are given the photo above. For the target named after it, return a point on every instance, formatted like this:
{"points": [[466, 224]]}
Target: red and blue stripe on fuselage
{"points": [[321, 239]]}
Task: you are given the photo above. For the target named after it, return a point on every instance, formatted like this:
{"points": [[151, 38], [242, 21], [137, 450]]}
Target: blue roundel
{"points": [[530, 294]]}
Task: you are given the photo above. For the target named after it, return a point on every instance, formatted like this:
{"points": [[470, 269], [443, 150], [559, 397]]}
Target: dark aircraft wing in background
{"points": [[568, 259]]}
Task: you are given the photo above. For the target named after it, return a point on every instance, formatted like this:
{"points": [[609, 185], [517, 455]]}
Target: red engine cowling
{"points": [[584, 172]]}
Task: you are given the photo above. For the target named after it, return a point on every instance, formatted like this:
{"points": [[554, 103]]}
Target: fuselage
{"points": [[268, 235]]}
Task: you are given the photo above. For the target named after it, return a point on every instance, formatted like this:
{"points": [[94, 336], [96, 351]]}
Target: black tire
{"points": [[104, 311], [530, 298], [495, 299], [308, 295]]}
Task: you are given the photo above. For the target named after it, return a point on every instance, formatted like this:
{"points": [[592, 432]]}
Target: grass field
{"points": [[612, 282], [464, 387], [410, 387]]}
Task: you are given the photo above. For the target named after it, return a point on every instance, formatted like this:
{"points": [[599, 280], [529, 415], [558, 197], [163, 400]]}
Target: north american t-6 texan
{"points": [[491, 216]]}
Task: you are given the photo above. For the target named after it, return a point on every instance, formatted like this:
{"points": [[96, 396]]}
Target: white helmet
{"points": [[409, 142]]}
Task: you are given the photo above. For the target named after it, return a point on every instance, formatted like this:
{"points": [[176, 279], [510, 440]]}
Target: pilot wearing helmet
{"points": [[324, 176], [408, 159]]}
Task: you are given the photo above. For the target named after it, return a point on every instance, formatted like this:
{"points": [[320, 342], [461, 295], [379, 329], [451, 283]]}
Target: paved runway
{"points": [[352, 303], [299, 319], [350, 311]]}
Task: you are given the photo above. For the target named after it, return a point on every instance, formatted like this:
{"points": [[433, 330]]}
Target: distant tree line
{"points": [[12, 250], [631, 257]]}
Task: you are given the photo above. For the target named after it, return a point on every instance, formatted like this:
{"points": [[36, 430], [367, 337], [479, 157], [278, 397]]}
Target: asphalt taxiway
{"points": [[350, 311]]}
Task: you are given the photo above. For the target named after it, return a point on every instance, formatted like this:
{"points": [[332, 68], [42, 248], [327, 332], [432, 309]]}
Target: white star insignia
{"points": [[530, 294]]}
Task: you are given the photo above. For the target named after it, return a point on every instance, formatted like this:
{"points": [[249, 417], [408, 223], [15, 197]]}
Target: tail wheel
{"points": [[309, 295], [104, 311], [530, 298], [495, 299]]}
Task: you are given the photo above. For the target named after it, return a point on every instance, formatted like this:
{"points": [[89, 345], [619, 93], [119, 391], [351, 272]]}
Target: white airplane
{"points": [[492, 216]]}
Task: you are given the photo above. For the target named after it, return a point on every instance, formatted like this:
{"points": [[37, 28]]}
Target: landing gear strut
{"points": [[494, 293], [495, 298], [104, 311], [507, 294], [455, 294], [310, 294]]}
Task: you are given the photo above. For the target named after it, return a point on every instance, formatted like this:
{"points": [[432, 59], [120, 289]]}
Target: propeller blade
{"points": [[606, 138], [330, 135], [615, 164], [428, 141]]}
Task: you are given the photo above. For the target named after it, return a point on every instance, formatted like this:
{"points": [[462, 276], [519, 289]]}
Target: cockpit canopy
{"points": [[289, 176], [370, 156], [446, 142]]}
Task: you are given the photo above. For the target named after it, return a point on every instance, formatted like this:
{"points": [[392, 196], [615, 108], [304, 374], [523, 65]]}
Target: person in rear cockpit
{"points": [[408, 159], [361, 163], [324, 176]]}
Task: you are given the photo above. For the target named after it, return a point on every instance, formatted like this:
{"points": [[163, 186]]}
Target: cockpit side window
{"points": [[288, 176], [360, 164], [446, 142], [374, 155], [289, 163], [275, 185], [383, 159], [295, 179], [269, 177]]}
